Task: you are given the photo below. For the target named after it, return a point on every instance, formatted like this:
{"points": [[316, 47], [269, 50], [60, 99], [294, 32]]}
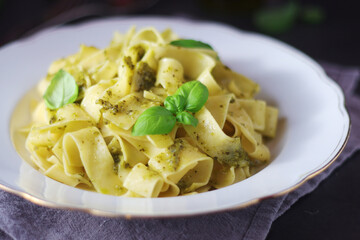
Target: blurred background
{"points": [[326, 30]]}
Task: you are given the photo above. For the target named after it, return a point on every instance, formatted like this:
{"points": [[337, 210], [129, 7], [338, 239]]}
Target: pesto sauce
{"points": [[233, 157], [52, 119], [175, 150], [52, 113], [117, 156], [128, 62], [106, 105], [145, 77], [183, 185], [186, 182], [140, 53]]}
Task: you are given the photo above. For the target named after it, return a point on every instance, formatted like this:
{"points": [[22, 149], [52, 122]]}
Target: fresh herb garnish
{"points": [[196, 95], [186, 118], [61, 91], [190, 43], [190, 97], [175, 103], [154, 120]]}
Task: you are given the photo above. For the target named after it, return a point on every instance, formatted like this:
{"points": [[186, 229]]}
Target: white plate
{"points": [[313, 128]]}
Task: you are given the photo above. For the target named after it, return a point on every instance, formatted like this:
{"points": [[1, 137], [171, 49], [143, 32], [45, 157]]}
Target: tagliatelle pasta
{"points": [[89, 143]]}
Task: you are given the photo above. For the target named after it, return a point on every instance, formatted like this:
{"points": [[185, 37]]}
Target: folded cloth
{"points": [[20, 219]]}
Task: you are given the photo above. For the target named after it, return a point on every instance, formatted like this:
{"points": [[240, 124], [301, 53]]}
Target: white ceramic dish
{"points": [[313, 129]]}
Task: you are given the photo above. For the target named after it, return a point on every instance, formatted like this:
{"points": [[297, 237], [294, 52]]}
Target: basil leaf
{"points": [[277, 20], [154, 120], [187, 118], [195, 93], [61, 91], [175, 103], [190, 43]]}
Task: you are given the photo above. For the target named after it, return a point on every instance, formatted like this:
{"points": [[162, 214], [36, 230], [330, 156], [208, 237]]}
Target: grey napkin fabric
{"points": [[20, 219]]}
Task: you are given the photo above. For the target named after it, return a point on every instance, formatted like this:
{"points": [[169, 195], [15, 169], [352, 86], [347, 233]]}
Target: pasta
{"points": [[89, 142]]}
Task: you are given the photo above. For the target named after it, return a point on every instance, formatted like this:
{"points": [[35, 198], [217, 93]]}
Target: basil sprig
{"points": [[190, 97], [61, 91], [190, 43], [196, 95], [175, 103]]}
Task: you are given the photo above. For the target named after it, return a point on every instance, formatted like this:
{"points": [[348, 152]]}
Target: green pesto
{"points": [[175, 150], [52, 119], [146, 76], [106, 105], [117, 156], [186, 182], [233, 157], [109, 93], [128, 62], [140, 53], [183, 185]]}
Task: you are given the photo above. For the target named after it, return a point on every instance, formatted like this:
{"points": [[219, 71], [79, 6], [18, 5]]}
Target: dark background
{"points": [[332, 211]]}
